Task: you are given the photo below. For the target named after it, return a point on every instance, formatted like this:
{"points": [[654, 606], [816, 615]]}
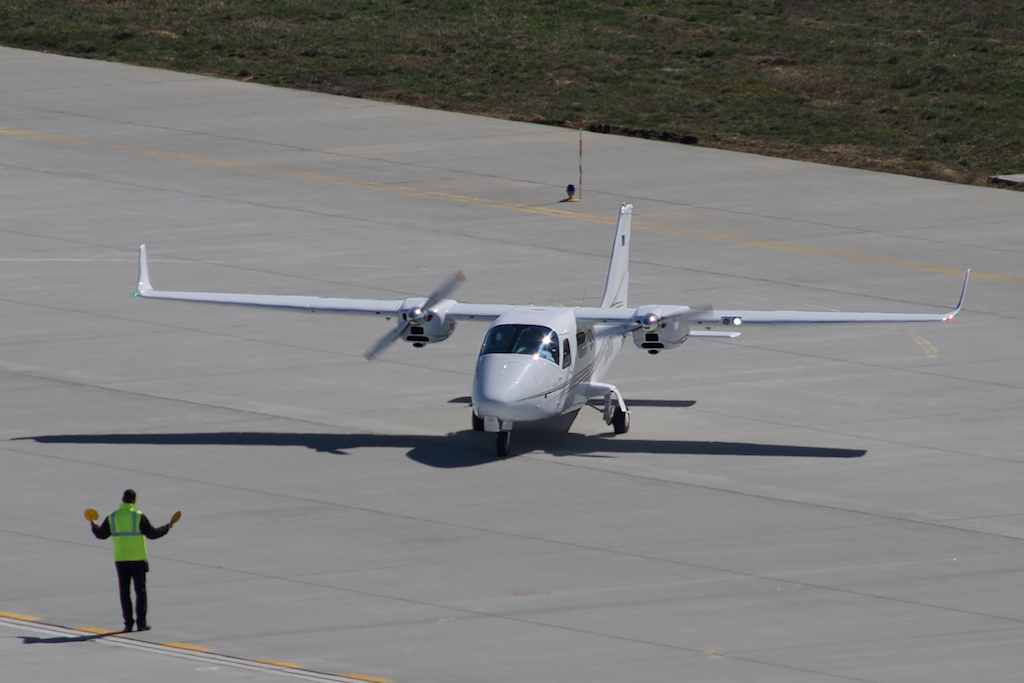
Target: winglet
{"points": [[963, 293], [145, 286]]}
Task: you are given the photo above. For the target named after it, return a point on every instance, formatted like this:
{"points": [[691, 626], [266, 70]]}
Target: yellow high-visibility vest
{"points": [[129, 543]]}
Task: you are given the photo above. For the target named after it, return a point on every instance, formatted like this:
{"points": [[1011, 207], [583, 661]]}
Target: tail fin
{"points": [[616, 288]]}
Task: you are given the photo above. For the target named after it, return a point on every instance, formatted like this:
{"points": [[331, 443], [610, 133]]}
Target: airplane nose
{"points": [[503, 381], [504, 378]]}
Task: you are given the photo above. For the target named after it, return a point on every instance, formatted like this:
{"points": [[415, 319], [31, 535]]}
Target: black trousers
{"points": [[127, 572]]}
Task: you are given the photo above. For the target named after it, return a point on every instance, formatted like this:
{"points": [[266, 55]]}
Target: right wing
{"points": [[298, 303], [388, 308]]}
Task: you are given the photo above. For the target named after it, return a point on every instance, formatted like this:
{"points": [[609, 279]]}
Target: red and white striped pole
{"points": [[580, 190]]}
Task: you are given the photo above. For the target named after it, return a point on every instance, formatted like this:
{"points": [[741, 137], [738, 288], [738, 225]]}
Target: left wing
{"points": [[737, 317], [626, 320]]}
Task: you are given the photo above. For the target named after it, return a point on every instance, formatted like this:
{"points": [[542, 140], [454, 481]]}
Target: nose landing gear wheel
{"points": [[478, 423], [503, 441]]}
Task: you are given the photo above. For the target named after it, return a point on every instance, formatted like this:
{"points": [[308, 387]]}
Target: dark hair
{"points": [[129, 496]]}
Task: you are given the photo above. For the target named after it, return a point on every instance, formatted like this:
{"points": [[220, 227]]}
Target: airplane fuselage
{"points": [[537, 363]]}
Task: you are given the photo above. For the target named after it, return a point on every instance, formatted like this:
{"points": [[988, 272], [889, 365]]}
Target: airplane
{"points": [[543, 362]]}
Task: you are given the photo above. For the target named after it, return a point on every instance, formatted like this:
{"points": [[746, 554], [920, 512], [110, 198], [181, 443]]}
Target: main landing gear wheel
{"points": [[620, 421], [478, 423], [503, 441]]}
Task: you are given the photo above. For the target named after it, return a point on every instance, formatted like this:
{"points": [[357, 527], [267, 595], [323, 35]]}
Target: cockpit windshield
{"points": [[530, 340]]}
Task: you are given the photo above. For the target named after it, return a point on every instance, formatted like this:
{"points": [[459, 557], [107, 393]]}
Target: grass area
{"points": [[929, 88]]}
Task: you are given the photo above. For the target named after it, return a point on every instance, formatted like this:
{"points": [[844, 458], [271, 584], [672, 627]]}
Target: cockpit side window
{"points": [[529, 340], [566, 354]]}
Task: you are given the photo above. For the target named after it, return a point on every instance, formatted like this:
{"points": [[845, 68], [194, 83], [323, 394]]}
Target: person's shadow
{"points": [[32, 640]]}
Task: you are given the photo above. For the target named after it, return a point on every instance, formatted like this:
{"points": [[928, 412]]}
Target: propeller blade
{"points": [[444, 290], [415, 315], [386, 341]]}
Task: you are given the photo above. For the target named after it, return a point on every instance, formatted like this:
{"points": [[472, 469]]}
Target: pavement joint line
{"points": [[522, 208], [180, 650]]}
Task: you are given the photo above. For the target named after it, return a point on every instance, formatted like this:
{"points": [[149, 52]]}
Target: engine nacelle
{"points": [[426, 327], [657, 335]]}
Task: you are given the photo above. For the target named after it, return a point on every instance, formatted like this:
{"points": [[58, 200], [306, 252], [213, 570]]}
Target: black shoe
{"points": [[127, 628], [144, 627]]}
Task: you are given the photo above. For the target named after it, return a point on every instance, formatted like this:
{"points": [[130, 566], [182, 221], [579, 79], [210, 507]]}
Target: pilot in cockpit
{"points": [[537, 341]]}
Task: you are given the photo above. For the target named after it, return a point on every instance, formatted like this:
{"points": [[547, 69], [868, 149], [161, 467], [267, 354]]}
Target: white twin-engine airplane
{"points": [[540, 362]]}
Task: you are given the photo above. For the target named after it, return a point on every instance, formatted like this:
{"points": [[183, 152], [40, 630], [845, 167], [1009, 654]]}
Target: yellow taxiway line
{"points": [[185, 650], [477, 201]]}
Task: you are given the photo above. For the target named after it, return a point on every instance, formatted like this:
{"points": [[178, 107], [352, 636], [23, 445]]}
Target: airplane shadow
{"points": [[459, 449], [646, 403], [598, 402]]}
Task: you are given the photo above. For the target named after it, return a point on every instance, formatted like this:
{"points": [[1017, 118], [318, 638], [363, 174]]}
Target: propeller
{"points": [[415, 315], [650, 321]]}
